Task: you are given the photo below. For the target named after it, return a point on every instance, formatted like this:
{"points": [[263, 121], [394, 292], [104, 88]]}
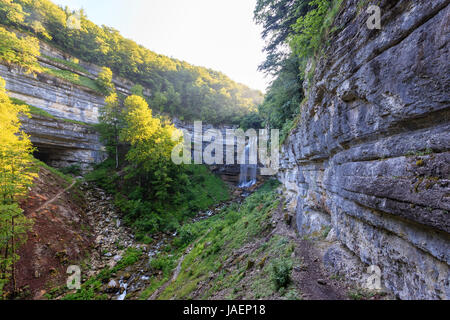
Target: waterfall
{"points": [[247, 176]]}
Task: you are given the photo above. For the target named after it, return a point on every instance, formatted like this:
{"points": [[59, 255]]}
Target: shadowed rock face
{"points": [[370, 157], [61, 144], [228, 172]]}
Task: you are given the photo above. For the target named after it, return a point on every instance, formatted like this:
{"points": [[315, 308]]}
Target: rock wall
{"points": [[370, 156], [60, 139], [58, 97], [228, 172], [61, 144]]}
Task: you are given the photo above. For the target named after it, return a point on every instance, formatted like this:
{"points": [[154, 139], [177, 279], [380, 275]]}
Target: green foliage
{"points": [[75, 79], [68, 63], [16, 176], [308, 29], [110, 122], [39, 164], [105, 176], [19, 52], [137, 90], [153, 193], [10, 11], [304, 26], [251, 121], [131, 256], [280, 273], [104, 81], [90, 289], [185, 91], [215, 239], [277, 19], [282, 102], [164, 264], [73, 169]]}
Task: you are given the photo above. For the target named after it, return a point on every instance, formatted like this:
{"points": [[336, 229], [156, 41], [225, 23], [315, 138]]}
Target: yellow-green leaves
{"points": [[104, 81], [15, 148], [21, 52], [149, 137], [16, 175]]}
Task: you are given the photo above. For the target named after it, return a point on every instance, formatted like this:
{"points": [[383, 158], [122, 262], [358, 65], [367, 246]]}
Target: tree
{"points": [[16, 175], [187, 91], [104, 81], [306, 37], [137, 90], [151, 146], [19, 52], [277, 18], [110, 124], [11, 12], [150, 139], [284, 96]]}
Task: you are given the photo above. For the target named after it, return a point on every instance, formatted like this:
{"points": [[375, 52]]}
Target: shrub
{"points": [[185, 235], [73, 169], [164, 264], [280, 273], [104, 81]]}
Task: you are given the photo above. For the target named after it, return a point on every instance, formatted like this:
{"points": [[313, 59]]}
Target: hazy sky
{"points": [[218, 34]]}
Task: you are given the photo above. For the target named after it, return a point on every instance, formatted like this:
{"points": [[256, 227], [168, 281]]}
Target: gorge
{"points": [[363, 185]]}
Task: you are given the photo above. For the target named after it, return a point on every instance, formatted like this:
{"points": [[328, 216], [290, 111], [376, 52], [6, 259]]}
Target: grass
{"points": [[91, 288], [56, 172], [419, 153], [280, 272], [207, 189], [216, 238], [71, 64], [74, 78], [214, 242], [212, 261], [40, 112], [361, 294]]}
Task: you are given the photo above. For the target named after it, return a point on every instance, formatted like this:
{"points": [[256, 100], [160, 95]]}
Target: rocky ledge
{"points": [[61, 143]]}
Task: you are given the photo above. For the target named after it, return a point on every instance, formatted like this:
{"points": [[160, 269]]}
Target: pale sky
{"points": [[218, 34]]}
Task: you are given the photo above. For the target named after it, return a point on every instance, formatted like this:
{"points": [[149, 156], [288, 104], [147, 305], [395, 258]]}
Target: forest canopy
{"points": [[178, 88], [294, 32]]}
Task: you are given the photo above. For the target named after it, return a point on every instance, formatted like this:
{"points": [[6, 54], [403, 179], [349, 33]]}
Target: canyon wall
{"points": [[56, 96], [61, 144], [66, 136], [228, 172], [369, 159]]}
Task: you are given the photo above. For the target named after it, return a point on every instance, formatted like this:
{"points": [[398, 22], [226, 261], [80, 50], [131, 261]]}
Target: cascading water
{"points": [[247, 176]]}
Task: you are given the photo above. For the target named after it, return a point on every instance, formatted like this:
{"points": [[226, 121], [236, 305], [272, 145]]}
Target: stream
{"points": [[112, 237]]}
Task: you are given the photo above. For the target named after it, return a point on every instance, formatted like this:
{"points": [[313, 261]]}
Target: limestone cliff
{"points": [[370, 156], [67, 136]]}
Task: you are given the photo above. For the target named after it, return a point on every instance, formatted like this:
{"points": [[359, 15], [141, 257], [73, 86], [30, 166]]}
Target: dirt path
{"points": [[310, 278], [48, 202]]}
